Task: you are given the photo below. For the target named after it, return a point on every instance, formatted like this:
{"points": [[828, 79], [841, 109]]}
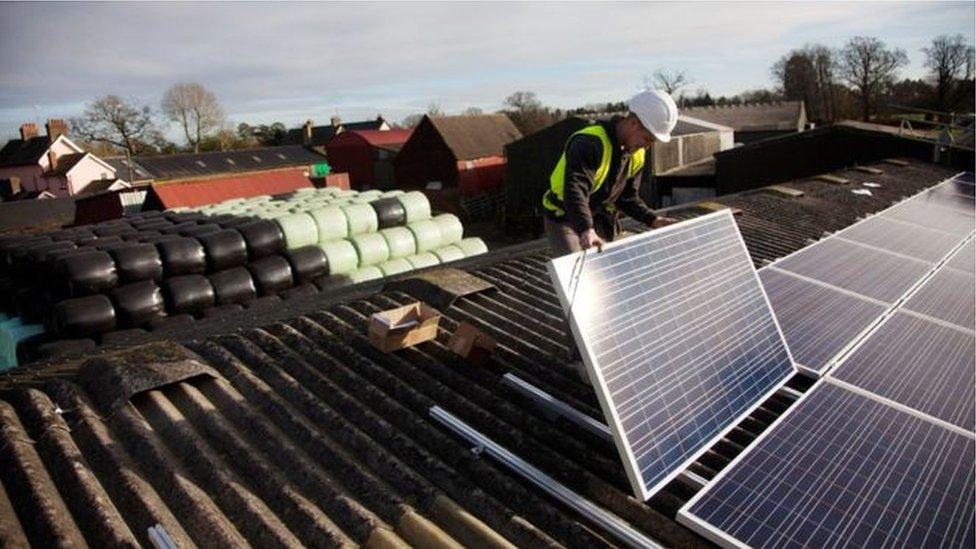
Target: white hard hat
{"points": [[656, 111]]}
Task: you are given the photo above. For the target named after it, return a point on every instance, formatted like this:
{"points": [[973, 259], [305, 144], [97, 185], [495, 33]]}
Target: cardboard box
{"points": [[472, 344], [403, 327]]}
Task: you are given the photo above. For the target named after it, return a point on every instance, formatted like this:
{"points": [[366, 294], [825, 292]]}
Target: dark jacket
{"points": [[583, 155]]}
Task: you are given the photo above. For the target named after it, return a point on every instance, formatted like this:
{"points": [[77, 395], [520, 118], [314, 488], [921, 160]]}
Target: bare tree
{"points": [[434, 109], [471, 111], [870, 67], [669, 81], [527, 112], [195, 109], [111, 119], [807, 74], [949, 59]]}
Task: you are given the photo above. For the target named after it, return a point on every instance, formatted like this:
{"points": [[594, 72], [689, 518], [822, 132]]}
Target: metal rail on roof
{"points": [[595, 514]]}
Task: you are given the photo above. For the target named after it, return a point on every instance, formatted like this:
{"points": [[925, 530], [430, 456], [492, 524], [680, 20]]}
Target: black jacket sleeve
{"points": [[631, 203], [583, 155]]}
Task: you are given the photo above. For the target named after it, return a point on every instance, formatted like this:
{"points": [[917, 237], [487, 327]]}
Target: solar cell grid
{"points": [[843, 470], [965, 258], [949, 296], [859, 268], [818, 321], [901, 237], [945, 198], [918, 363], [933, 217], [678, 337]]}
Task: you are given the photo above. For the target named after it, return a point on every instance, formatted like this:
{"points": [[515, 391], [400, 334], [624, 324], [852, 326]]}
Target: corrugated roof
{"points": [[475, 136], [286, 426], [191, 166], [122, 169], [779, 115], [321, 135], [211, 191]]}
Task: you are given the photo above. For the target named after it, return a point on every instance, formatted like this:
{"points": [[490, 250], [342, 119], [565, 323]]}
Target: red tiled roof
{"points": [[211, 191]]}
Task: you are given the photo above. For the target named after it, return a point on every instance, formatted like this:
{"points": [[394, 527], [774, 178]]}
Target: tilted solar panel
{"points": [[818, 320], [927, 366], [678, 339], [843, 470]]}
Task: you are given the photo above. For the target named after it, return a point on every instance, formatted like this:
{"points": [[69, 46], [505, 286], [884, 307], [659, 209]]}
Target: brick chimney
{"points": [[336, 121], [28, 130], [307, 132], [52, 158], [56, 127]]}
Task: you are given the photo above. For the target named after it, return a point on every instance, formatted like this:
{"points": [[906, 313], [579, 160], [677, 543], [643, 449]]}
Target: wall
{"points": [[85, 172], [424, 158], [30, 176], [480, 175]]}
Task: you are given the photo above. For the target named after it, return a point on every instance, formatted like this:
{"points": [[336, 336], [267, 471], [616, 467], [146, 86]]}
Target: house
{"points": [[194, 166], [367, 156], [284, 425], [458, 160], [311, 135], [50, 163], [755, 121]]}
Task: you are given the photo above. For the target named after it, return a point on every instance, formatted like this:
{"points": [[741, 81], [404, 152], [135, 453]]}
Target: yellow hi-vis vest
{"points": [[553, 199]]}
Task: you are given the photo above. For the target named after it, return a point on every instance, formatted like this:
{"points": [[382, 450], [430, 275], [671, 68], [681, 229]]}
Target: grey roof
{"points": [[475, 136], [775, 116], [191, 166], [284, 425], [122, 169], [321, 135], [18, 152]]}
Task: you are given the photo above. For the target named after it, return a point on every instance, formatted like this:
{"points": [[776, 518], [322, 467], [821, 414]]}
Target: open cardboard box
{"points": [[403, 327], [472, 344]]}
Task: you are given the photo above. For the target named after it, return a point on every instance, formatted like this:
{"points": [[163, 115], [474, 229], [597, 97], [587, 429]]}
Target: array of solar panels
{"points": [[881, 451], [679, 340]]}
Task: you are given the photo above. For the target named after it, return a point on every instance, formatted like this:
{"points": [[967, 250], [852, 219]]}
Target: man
{"points": [[599, 174]]}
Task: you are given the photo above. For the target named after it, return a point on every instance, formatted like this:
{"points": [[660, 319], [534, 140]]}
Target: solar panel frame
{"points": [[716, 534], [559, 266]]}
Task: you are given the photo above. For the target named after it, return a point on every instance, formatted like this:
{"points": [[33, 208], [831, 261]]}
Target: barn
{"points": [[459, 161], [367, 156]]}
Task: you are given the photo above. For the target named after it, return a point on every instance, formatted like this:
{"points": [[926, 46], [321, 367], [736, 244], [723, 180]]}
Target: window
{"points": [[283, 157], [230, 161], [201, 164], [256, 159]]}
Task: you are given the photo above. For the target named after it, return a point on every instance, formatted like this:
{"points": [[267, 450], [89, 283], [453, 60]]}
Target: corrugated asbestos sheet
{"points": [[300, 432]]}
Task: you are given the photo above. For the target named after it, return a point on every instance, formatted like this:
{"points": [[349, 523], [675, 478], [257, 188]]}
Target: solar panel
{"points": [[945, 197], [843, 470], [858, 267], [961, 185], [933, 217], [819, 321], [925, 365], [901, 237], [678, 339], [965, 258], [947, 296]]}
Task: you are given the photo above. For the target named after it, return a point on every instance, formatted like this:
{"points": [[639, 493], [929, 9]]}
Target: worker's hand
{"points": [[590, 239], [661, 221]]}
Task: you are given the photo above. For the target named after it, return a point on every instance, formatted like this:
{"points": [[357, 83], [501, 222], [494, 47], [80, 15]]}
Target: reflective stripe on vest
{"points": [[552, 200]]}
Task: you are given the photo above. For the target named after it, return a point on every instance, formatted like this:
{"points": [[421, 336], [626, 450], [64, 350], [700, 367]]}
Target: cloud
{"points": [[289, 61]]}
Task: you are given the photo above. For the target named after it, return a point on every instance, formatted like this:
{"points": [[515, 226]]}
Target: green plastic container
{"points": [[400, 241], [371, 247], [342, 256]]}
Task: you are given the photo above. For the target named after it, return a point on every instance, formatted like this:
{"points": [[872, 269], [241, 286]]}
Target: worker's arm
{"points": [[583, 154], [631, 203]]}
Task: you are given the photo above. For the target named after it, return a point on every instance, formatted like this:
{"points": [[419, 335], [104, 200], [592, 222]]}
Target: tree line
{"points": [[858, 80]]}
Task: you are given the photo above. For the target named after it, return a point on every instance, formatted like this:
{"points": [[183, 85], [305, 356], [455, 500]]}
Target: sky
{"points": [[290, 62]]}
